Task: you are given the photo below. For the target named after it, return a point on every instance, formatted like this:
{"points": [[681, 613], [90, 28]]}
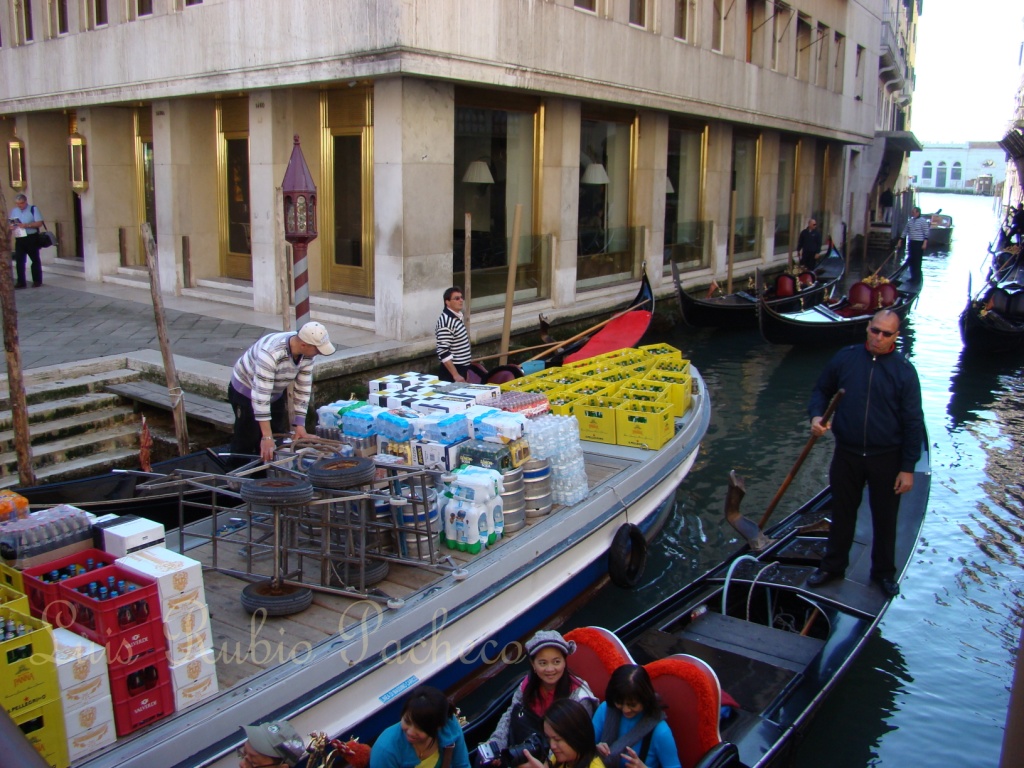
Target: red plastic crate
{"points": [[141, 691], [43, 596], [129, 625]]}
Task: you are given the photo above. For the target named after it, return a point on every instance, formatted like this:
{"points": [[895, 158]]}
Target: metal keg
{"points": [[513, 500], [537, 487], [410, 512]]}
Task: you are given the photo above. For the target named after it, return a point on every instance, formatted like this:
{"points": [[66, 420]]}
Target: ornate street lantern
{"points": [[299, 194]]}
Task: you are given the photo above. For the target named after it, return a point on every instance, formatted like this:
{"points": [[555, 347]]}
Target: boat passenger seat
{"points": [[785, 286], [806, 278], [859, 297], [598, 654], [1017, 305], [999, 301], [692, 697], [884, 295]]}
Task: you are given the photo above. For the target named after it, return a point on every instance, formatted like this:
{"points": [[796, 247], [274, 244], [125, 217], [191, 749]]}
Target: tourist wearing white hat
{"points": [[259, 383]]}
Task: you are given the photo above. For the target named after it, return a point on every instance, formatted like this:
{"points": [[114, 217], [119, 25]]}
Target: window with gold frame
{"points": [[746, 233], [16, 164], [233, 182]]}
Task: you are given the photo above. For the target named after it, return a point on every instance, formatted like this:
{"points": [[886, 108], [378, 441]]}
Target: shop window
{"points": [[687, 235], [785, 224], [746, 233], [604, 252]]}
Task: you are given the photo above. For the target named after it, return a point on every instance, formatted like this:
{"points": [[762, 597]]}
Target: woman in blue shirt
{"points": [[630, 726], [428, 736]]}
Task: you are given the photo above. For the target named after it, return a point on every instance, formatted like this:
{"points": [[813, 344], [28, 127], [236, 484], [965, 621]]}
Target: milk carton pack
{"points": [[500, 428], [179, 578]]}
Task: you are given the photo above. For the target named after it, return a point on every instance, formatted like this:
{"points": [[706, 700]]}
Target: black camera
{"points": [[536, 743]]}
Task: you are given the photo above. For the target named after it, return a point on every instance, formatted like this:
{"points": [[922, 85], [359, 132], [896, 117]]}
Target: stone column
{"points": [[560, 194], [768, 190], [717, 193], [414, 130], [649, 190]]}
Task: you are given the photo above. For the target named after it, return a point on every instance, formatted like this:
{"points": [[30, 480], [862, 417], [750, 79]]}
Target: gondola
{"points": [[622, 330], [993, 320], [753, 636], [844, 322], [787, 293]]}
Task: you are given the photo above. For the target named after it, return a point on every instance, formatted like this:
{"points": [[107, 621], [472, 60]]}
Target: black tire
{"points": [[346, 573], [342, 472], [627, 556], [283, 600], [276, 490]]}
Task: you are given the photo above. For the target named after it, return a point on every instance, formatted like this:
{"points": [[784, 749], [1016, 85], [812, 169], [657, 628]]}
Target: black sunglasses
{"points": [[888, 334]]}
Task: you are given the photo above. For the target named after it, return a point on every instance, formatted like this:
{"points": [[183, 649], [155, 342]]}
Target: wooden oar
{"points": [[800, 459], [590, 330], [875, 273], [549, 345]]}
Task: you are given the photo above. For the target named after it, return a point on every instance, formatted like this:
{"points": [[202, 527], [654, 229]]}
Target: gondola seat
{"points": [[859, 301], [999, 301], [690, 692], [785, 286], [806, 279], [884, 295], [598, 654], [1016, 305]]}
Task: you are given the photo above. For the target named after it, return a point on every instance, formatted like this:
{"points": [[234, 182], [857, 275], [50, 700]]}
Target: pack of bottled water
{"points": [[568, 477], [551, 435]]}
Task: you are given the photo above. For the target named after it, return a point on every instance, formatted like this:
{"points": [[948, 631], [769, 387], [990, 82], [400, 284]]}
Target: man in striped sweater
{"points": [[260, 380], [452, 338], [915, 233]]}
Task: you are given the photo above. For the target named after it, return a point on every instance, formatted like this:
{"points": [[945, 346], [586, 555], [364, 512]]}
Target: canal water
{"points": [[932, 685]]}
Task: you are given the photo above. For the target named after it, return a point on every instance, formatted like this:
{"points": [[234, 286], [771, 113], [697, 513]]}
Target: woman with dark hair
{"points": [[548, 680], [630, 725], [570, 737], [428, 735]]}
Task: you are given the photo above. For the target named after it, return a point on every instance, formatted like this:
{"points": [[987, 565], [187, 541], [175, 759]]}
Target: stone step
{"points": [[218, 413], [87, 466], [70, 386], [48, 430], [50, 410], [75, 447]]}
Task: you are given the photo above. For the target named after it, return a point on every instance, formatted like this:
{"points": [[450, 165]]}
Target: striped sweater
{"points": [[452, 339], [264, 372], [917, 229]]}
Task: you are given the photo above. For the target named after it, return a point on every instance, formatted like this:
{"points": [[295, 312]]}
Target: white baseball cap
{"points": [[316, 334]]}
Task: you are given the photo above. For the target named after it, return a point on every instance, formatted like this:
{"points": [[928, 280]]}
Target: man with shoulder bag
{"points": [[25, 224]]}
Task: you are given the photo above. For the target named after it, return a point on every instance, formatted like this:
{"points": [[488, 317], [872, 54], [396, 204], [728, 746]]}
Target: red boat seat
{"points": [[999, 301], [859, 297], [883, 296], [785, 286], [807, 278], [598, 654], [692, 697]]}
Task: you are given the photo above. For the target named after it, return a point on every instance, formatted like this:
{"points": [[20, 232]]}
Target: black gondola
{"points": [[993, 320], [787, 293], [844, 322]]}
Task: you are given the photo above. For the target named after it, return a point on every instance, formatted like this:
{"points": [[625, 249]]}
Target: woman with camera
{"points": [[570, 737], [428, 735], [548, 680], [630, 725]]}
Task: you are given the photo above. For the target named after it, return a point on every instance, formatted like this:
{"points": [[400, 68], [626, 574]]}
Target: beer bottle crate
{"points": [[28, 670], [44, 596], [141, 690], [43, 726], [13, 599], [128, 625]]}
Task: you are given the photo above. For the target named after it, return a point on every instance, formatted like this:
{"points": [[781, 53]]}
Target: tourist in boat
{"points": [[570, 737], [809, 244], [452, 338], [548, 680], [630, 725], [271, 745], [258, 391], [879, 430], [428, 735]]}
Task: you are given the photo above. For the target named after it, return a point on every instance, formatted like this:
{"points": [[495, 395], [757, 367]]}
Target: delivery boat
{"points": [[347, 659]]}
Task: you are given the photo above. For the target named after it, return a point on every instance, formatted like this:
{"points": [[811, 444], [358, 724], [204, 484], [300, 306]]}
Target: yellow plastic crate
{"points": [[625, 356], [540, 386], [643, 425], [596, 416], [43, 726], [11, 577], [680, 388], [564, 377], [666, 351], [562, 401], [671, 364], [646, 392], [590, 388], [28, 669], [12, 599], [523, 381]]}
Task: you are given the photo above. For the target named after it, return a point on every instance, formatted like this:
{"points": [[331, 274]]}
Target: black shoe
{"points": [[888, 586], [37, 285], [20, 285], [820, 577]]}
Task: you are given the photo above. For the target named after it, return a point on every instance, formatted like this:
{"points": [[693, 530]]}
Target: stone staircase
{"points": [[77, 429]]}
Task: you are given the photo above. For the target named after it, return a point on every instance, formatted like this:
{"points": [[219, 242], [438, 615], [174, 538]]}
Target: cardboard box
{"points": [[433, 455], [188, 634], [179, 578], [127, 534], [79, 719], [88, 739], [79, 661], [194, 692], [188, 671]]}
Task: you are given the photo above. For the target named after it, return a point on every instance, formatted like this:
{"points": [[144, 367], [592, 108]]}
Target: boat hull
{"points": [[988, 333]]}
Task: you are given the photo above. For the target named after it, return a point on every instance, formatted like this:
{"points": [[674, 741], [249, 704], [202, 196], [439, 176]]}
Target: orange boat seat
{"points": [[598, 654], [690, 692]]}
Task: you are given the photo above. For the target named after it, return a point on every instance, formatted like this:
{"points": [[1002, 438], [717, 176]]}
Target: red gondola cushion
{"points": [[598, 654], [806, 278], [692, 697], [884, 295], [785, 286], [859, 297]]}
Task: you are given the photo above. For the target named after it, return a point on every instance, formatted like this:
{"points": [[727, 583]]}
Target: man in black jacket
{"points": [[879, 431], [809, 245]]}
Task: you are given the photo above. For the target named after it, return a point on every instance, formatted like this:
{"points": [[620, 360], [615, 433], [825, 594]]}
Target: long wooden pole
{"points": [[510, 286], [800, 459], [12, 351], [171, 373], [467, 260], [731, 249], [792, 226]]}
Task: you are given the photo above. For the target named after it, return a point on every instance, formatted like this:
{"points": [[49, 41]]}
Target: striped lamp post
{"points": [[299, 193]]}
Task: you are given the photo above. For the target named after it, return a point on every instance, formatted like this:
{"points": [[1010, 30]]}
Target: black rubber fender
{"points": [[342, 472], [276, 490], [276, 599], [627, 556]]}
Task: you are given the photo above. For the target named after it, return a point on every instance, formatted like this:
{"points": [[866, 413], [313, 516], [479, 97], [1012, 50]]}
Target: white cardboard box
{"points": [[89, 728], [436, 455], [79, 660], [188, 634], [194, 680], [179, 578], [127, 534]]}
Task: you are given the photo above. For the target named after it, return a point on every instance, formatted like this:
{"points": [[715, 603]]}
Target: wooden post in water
{"points": [[731, 245], [467, 260], [510, 286], [864, 270], [792, 226], [173, 390], [12, 351]]}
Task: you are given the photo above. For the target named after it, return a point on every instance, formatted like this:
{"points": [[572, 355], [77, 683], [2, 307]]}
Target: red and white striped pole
{"points": [[299, 193]]}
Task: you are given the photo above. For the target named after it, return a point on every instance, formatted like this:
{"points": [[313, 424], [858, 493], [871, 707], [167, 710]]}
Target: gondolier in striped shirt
{"points": [[259, 383], [915, 234], [452, 338]]}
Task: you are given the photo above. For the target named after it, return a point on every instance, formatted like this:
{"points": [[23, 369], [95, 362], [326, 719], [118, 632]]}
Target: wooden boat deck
{"points": [[246, 644]]}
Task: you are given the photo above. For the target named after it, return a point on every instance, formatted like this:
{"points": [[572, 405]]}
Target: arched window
{"points": [[940, 174], [954, 174], [926, 170]]}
